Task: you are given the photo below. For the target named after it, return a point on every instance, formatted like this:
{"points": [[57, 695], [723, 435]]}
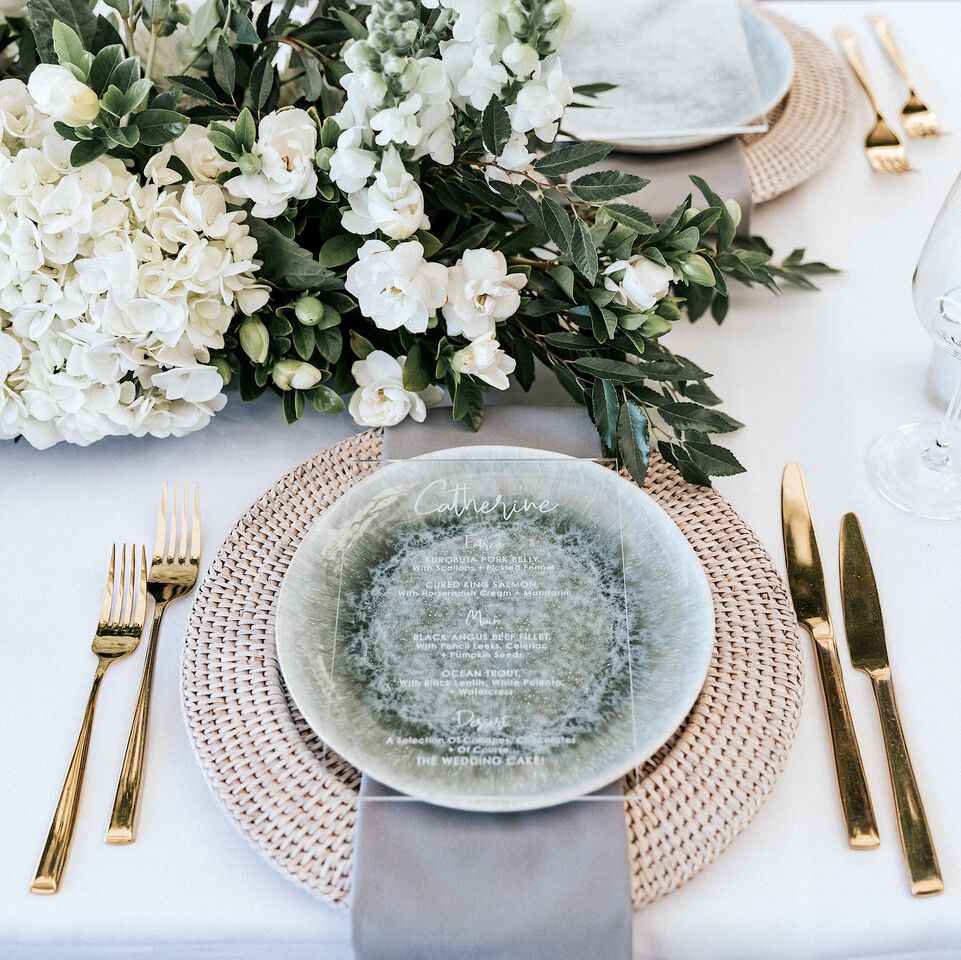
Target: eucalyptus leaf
{"points": [[606, 185], [584, 253], [571, 156], [615, 370], [634, 218], [495, 127]]}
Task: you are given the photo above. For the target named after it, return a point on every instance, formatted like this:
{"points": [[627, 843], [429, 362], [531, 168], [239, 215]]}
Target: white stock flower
{"points": [[286, 144], [520, 58], [397, 288], [393, 204], [480, 292], [541, 101], [398, 124], [474, 72], [381, 400], [484, 359], [638, 282], [351, 166], [59, 94]]}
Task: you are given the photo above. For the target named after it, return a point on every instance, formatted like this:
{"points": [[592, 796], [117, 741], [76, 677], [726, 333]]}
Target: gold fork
{"points": [[173, 573], [918, 118], [122, 615], [884, 150]]}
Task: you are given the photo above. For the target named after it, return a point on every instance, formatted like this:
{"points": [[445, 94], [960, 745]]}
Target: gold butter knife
{"points": [[865, 632], [806, 580]]}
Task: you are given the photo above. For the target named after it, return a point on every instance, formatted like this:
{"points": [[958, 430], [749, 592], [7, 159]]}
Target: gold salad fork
{"points": [[173, 573], [122, 615], [918, 119], [884, 150]]}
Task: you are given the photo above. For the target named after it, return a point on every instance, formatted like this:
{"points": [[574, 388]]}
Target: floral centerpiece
{"points": [[330, 200]]}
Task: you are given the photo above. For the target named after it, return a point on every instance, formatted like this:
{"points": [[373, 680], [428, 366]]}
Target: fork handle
{"points": [[883, 29], [849, 46], [916, 839], [126, 801], [55, 850]]}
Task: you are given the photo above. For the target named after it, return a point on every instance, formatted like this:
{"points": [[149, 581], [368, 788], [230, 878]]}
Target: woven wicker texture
{"points": [[296, 802], [807, 125]]}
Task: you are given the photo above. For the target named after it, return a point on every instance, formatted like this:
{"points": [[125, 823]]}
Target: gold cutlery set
{"points": [[172, 573], [884, 150], [864, 628]]}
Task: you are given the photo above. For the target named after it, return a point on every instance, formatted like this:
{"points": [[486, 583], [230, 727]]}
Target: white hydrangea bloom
{"points": [[484, 359], [397, 287], [480, 292], [393, 204], [381, 399], [286, 144], [112, 293]]}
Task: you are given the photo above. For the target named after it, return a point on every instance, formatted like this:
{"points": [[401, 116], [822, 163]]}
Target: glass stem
{"points": [[938, 456]]}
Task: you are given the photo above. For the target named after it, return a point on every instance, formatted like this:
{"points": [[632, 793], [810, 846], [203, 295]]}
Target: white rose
{"points": [[199, 156], [381, 400], [541, 101], [638, 282], [59, 94], [480, 292], [286, 144], [393, 204], [350, 164], [484, 359], [397, 288]]}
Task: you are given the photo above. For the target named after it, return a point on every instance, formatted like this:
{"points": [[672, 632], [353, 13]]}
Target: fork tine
{"points": [[160, 536], [195, 526], [170, 547], [121, 587], [131, 594], [184, 525], [140, 611], [107, 603]]}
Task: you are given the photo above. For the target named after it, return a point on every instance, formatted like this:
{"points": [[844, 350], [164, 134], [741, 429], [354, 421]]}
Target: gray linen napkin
{"points": [[430, 883]]}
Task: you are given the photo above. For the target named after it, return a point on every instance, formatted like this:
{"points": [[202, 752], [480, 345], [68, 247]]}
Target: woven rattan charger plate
{"points": [[297, 802], [807, 125]]}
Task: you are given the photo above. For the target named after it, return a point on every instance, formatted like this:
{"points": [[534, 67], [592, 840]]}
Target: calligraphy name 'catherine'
{"points": [[437, 497]]}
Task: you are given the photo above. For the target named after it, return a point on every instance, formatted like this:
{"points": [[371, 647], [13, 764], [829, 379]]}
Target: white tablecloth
{"points": [[815, 376]]}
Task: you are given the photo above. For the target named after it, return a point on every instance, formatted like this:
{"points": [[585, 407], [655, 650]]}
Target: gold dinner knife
{"points": [[865, 632], [806, 580]]}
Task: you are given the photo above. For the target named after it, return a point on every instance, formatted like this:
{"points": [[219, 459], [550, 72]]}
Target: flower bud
{"points": [[734, 210], [308, 311], [224, 369], [295, 375], [322, 158], [249, 164], [254, 339]]}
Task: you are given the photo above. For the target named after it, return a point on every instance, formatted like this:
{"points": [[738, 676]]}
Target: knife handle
{"points": [[912, 823], [852, 783]]}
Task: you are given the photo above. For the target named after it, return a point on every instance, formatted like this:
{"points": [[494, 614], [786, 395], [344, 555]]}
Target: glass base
{"points": [[909, 469]]}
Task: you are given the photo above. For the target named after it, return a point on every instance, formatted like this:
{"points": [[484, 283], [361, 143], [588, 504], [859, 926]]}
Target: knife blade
{"points": [[806, 582], [864, 627]]}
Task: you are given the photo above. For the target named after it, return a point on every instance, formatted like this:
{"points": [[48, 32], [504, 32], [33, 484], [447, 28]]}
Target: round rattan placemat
{"points": [[806, 126], [296, 802]]}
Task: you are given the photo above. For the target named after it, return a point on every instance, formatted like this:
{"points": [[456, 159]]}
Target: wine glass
{"points": [[918, 467]]}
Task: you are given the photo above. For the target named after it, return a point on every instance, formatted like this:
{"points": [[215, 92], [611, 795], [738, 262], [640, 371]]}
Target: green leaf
{"points": [[126, 73], [68, 46], [304, 340], [325, 400], [636, 219], [329, 133], [158, 127], [245, 30], [606, 185], [584, 253], [677, 454], [469, 403], [530, 208], [593, 89], [339, 250], [103, 66], [87, 150], [196, 88], [564, 278], [615, 370], [495, 127], [330, 344], [524, 357], [697, 270], [352, 25], [571, 156], [204, 21], [262, 78], [558, 224], [713, 460], [286, 262], [604, 404], [360, 346], [245, 130], [702, 393], [137, 94], [225, 71], [416, 376], [685, 415], [128, 136], [75, 14], [571, 341], [633, 440]]}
